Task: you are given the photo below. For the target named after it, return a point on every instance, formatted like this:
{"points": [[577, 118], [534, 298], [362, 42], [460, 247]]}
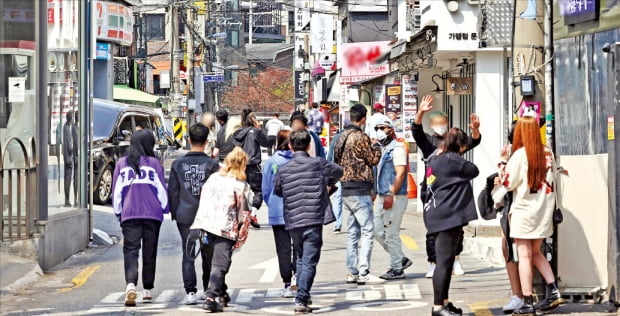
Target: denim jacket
{"points": [[386, 171]]}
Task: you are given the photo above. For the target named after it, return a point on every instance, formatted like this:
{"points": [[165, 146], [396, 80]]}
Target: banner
{"points": [[393, 107], [322, 33], [360, 61], [410, 105]]}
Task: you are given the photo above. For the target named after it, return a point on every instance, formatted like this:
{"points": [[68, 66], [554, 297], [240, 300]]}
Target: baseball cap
{"points": [[385, 121], [378, 106]]}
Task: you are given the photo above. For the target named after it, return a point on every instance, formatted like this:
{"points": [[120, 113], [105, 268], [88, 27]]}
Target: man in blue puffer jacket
{"points": [[286, 255], [304, 184]]}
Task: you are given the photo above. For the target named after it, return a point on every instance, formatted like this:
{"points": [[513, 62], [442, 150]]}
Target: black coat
{"points": [[251, 139], [187, 176], [302, 183]]}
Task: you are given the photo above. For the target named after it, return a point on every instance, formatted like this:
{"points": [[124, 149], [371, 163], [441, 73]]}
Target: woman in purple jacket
{"points": [[140, 201]]}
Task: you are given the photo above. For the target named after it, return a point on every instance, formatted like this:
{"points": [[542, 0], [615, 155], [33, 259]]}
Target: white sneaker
{"points": [[431, 271], [130, 295], [369, 279], [190, 298], [352, 278], [288, 292], [514, 304], [147, 296], [457, 268], [294, 282]]}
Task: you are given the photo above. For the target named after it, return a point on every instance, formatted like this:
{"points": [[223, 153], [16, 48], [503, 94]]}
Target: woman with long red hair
{"points": [[530, 174]]}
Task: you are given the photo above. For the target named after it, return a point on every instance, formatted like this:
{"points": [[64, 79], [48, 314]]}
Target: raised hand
{"points": [[426, 104], [474, 121]]}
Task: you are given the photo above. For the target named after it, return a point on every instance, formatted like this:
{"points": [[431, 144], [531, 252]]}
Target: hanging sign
{"points": [[17, 89]]}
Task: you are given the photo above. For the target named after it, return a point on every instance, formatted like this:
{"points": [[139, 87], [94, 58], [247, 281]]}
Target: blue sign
{"points": [[213, 78], [577, 11], [104, 51]]}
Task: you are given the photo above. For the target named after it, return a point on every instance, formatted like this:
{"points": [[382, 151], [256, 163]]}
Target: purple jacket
{"points": [[142, 197]]}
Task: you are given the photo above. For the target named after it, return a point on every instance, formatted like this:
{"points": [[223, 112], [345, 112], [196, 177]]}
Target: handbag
{"points": [[243, 219], [558, 216]]}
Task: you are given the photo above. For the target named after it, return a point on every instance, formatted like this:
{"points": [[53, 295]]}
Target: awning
{"points": [[124, 93]]}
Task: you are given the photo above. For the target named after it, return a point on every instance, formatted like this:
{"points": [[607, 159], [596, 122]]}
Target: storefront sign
{"points": [[114, 22], [359, 62], [410, 105], [393, 106], [577, 11], [322, 33], [300, 86], [302, 14], [104, 51]]}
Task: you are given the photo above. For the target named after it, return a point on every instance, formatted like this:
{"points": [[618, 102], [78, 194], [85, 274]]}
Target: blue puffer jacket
{"points": [[270, 170], [303, 184]]}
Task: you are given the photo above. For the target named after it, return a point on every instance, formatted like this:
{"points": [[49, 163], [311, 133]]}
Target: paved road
{"points": [[92, 283]]}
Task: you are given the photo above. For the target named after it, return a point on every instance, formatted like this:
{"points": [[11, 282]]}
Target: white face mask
{"points": [[381, 135], [440, 130]]}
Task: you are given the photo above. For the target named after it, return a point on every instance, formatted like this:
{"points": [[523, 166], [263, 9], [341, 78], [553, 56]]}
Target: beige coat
{"points": [[531, 214]]}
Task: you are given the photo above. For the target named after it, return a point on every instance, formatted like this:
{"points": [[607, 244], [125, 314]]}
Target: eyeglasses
{"points": [[383, 128]]}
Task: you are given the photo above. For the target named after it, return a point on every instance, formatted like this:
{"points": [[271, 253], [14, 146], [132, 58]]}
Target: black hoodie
{"points": [[251, 139]]}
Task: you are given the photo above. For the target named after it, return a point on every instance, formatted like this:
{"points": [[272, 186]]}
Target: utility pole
{"points": [[209, 99], [189, 46], [549, 106], [251, 24], [527, 50], [307, 70], [174, 61]]}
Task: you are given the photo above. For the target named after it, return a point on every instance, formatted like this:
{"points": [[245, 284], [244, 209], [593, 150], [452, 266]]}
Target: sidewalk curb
{"points": [[32, 276]]}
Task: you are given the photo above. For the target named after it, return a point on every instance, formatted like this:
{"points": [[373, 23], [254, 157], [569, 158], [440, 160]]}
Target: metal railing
{"points": [[18, 190]]}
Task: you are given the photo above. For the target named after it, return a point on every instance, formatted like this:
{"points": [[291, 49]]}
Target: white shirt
{"points": [[273, 126]]}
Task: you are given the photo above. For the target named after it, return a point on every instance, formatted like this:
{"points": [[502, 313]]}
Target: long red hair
{"points": [[527, 134]]}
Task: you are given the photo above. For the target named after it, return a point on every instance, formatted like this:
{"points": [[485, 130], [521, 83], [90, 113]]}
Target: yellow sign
{"points": [[201, 6], [611, 134], [180, 126]]}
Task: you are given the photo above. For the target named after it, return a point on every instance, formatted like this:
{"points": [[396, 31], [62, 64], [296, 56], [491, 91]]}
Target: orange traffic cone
{"points": [[412, 188]]}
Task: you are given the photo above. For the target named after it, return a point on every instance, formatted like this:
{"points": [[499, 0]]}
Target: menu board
{"points": [[410, 105]]}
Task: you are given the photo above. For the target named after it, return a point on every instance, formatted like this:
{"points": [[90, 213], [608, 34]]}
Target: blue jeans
{"points": [[337, 206], [307, 241], [360, 233]]}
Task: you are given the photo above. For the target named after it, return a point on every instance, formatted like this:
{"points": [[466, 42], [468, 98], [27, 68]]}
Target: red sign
{"points": [[360, 61]]}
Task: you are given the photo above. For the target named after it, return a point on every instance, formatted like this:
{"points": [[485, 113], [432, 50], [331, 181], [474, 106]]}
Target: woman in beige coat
{"points": [[530, 174]]}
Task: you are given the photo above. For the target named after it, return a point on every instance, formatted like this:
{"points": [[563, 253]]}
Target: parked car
{"points": [[113, 125]]}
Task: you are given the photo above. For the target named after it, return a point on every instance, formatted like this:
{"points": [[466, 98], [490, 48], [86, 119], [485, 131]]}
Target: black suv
{"points": [[113, 125]]}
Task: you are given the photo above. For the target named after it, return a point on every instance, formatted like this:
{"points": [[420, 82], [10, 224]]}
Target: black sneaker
{"points": [[301, 309], [553, 299], [407, 263], [337, 230], [254, 222], [212, 306], [443, 312], [393, 274], [453, 309], [225, 299]]}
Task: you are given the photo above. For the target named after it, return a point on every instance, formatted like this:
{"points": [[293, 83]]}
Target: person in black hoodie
{"points": [[187, 176], [250, 138], [448, 206]]}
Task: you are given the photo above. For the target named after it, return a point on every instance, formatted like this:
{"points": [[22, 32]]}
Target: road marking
{"points": [[481, 308], [409, 242], [81, 278], [112, 298], [165, 296], [384, 306], [271, 270]]}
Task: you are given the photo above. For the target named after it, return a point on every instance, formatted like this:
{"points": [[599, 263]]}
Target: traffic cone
{"points": [[412, 188]]}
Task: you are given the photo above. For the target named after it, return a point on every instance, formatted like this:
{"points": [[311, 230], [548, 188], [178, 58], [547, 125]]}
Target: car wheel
{"points": [[103, 190]]}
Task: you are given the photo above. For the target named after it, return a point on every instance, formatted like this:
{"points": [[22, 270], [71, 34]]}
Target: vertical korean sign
{"points": [[410, 105], [322, 36], [393, 107], [302, 14]]}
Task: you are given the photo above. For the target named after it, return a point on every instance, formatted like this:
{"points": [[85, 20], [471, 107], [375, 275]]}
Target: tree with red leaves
{"points": [[270, 90]]}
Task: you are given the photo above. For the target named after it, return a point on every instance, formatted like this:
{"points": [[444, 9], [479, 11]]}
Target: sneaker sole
{"points": [[408, 265], [393, 278], [555, 304], [130, 299], [530, 314], [351, 282]]}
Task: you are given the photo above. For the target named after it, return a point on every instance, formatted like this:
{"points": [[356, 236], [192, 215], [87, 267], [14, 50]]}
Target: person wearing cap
{"points": [[375, 118], [391, 202]]}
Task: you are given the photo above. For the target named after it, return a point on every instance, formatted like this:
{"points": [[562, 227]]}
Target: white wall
{"points": [[489, 98], [465, 20]]}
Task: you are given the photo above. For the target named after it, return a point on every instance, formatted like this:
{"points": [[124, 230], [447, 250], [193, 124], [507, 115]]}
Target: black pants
{"points": [[139, 233], [187, 265], [287, 257], [308, 242], [220, 264], [446, 244], [430, 247], [255, 180], [68, 178]]}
